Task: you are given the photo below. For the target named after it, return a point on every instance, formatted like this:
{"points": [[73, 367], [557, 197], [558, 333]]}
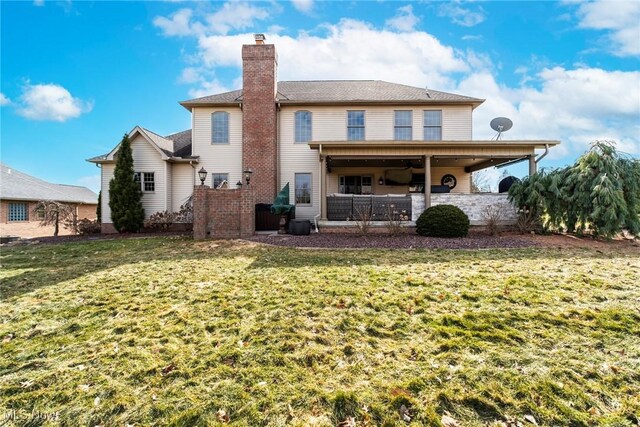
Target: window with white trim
{"points": [[303, 189], [355, 125], [219, 178], [303, 126], [220, 127], [18, 212], [433, 125], [403, 125], [146, 180]]}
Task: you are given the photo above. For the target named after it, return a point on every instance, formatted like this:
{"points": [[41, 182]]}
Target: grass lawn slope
{"points": [[167, 331]]}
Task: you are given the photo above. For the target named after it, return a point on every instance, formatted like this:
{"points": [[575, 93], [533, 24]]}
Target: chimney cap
{"points": [[259, 38]]}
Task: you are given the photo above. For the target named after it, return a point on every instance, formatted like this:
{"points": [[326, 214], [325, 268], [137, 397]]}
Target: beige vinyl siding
{"points": [[182, 180], [147, 159], [330, 123], [106, 174], [218, 158], [463, 178], [299, 158], [456, 123]]}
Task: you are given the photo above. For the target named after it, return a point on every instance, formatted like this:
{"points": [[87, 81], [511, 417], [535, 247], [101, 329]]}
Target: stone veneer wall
{"points": [[474, 204], [223, 214]]}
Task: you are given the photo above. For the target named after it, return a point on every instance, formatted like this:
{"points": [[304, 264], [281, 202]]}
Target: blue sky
{"points": [[83, 73]]}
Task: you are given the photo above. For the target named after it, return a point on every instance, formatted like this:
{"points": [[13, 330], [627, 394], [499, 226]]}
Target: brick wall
{"points": [[223, 214], [259, 128], [32, 227]]}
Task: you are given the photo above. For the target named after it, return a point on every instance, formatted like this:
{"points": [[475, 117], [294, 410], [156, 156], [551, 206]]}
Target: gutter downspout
{"points": [[542, 156]]}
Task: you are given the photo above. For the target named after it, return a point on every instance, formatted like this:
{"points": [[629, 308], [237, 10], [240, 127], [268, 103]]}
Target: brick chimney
{"points": [[259, 127]]}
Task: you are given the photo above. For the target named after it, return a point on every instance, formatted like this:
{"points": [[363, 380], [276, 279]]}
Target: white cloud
{"points": [[576, 106], [233, 15], [50, 102], [621, 18], [92, 182], [304, 6], [38, 2], [462, 16], [404, 20], [4, 100], [207, 88], [472, 37], [178, 24], [349, 50]]}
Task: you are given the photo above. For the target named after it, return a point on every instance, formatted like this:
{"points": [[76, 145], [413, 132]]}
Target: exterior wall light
{"points": [[239, 184], [202, 174], [247, 175], [381, 181]]}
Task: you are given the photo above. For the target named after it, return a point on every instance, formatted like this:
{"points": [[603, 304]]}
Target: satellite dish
{"points": [[500, 124]]}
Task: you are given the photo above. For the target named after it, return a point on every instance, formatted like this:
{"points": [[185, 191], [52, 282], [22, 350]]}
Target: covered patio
{"points": [[411, 176]]}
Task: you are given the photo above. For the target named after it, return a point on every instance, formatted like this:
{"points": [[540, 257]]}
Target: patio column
{"points": [[323, 187], [427, 182], [532, 165]]}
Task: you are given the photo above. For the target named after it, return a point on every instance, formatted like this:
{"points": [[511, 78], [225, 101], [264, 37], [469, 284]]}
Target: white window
{"points": [[146, 180], [303, 126], [355, 125], [303, 189], [403, 126], [18, 212], [220, 127], [219, 179], [433, 125]]}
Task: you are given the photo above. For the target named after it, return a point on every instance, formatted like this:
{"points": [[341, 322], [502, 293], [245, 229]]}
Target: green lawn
{"points": [[175, 332]]}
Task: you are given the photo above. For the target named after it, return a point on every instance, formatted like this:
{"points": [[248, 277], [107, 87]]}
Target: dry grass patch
{"points": [[173, 332]]}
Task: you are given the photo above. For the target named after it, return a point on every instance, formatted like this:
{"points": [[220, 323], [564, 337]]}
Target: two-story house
{"points": [[325, 138]]}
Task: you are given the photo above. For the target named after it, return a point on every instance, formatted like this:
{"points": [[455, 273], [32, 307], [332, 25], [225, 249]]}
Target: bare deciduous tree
{"points": [[54, 213]]}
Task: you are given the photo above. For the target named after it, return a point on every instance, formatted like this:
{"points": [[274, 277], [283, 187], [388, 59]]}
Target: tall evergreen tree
{"points": [[125, 194], [600, 194], [99, 208]]}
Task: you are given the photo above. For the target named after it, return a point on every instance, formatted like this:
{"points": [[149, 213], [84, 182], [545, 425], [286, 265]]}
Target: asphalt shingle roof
{"points": [[175, 145], [343, 91], [16, 185]]}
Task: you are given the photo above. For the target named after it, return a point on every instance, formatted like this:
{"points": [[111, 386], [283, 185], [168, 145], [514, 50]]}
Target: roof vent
{"points": [[426, 89], [259, 38]]}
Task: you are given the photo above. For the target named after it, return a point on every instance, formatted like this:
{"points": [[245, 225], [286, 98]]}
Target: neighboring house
{"points": [[19, 194], [324, 138]]}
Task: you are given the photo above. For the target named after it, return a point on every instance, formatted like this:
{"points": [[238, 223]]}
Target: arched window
{"points": [[303, 126], [220, 127]]}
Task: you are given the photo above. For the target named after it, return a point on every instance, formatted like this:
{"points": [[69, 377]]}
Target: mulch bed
{"points": [[406, 241]]}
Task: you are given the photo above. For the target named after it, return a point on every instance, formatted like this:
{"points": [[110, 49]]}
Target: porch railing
{"points": [[345, 207]]}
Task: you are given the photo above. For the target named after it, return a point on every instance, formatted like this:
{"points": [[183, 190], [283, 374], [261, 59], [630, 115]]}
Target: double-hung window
{"points": [[355, 125], [146, 180], [219, 178], [403, 130], [433, 125], [220, 127], [303, 189], [303, 126], [18, 212]]}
